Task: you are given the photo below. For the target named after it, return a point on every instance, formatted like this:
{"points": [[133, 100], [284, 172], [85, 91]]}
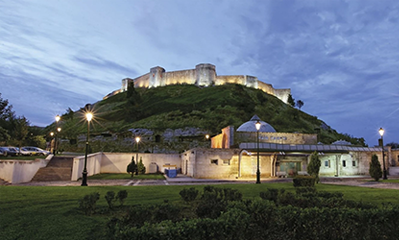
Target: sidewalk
{"points": [[181, 179]]}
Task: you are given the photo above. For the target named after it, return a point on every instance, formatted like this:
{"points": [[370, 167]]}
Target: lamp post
{"points": [[52, 144], [57, 119], [381, 131], [89, 116], [257, 125], [137, 155]]}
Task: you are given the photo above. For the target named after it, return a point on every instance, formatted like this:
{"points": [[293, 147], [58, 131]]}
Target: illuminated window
{"points": [[226, 162]]}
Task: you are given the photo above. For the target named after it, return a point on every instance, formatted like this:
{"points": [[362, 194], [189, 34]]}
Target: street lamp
{"points": [[381, 131], [257, 125], [89, 116], [137, 155], [57, 119], [52, 144]]}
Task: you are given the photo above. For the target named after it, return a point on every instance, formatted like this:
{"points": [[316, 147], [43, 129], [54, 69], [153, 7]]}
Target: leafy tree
{"points": [[314, 166], [131, 168], [393, 145], [291, 100], [19, 130], [68, 115], [375, 168], [132, 107], [141, 167], [299, 104]]}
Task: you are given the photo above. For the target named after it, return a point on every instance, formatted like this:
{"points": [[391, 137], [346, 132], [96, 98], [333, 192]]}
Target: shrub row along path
{"points": [[184, 180]]}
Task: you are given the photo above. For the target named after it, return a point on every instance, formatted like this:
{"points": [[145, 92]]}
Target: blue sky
{"points": [[341, 58]]}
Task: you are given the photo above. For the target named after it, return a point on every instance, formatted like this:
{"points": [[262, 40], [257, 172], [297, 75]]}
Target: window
{"points": [[327, 163], [353, 163], [226, 162], [344, 163], [214, 161]]}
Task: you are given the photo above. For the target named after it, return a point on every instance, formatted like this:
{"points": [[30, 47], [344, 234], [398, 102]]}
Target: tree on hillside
{"points": [[19, 130], [314, 166], [375, 168], [291, 100], [393, 144], [299, 104], [132, 107]]}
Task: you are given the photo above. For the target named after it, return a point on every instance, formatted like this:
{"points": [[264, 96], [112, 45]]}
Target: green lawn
{"points": [[52, 212], [126, 176]]}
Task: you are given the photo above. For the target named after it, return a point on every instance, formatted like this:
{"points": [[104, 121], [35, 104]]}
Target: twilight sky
{"points": [[341, 58]]}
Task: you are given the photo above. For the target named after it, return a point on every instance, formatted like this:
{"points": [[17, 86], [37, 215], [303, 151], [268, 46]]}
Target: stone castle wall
{"points": [[203, 75]]}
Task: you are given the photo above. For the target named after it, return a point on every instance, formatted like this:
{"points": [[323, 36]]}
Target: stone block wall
{"points": [[277, 137], [180, 77]]}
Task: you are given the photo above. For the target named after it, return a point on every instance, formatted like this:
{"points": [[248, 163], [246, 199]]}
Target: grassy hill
{"points": [[208, 108]]}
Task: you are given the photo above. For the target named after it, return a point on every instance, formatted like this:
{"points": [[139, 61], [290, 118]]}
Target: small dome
{"points": [[342, 142], [250, 126]]}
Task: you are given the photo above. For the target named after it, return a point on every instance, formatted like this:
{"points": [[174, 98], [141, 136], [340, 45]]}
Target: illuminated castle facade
{"points": [[203, 75]]}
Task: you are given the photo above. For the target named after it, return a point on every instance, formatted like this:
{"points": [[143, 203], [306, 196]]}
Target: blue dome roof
{"points": [[250, 126]]}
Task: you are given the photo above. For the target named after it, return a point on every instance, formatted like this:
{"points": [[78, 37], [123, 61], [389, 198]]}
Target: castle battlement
{"points": [[203, 75]]}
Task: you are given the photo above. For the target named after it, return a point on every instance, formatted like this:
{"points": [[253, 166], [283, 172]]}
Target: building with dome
{"points": [[233, 154]]}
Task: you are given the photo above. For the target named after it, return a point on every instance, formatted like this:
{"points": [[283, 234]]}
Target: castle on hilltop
{"points": [[203, 75]]}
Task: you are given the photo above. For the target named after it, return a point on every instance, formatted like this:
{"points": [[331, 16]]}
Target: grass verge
{"points": [[52, 212]]}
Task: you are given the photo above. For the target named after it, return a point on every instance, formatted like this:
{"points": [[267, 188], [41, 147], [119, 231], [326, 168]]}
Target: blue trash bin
{"points": [[172, 173]]}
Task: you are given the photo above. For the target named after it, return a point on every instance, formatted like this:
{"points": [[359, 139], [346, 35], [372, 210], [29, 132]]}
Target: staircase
{"points": [[58, 169], [4, 182]]}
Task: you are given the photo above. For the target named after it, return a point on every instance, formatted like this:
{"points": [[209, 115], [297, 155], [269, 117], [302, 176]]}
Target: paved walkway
{"points": [[184, 180]]}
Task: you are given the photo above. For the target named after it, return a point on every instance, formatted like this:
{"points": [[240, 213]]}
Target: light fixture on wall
{"points": [[381, 131], [257, 125]]}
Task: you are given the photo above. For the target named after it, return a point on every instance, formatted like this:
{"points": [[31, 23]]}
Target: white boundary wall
{"points": [[93, 165], [18, 171], [117, 162]]}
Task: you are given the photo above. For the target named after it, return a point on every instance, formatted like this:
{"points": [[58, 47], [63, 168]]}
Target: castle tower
{"points": [[251, 81], [205, 74], [156, 78]]}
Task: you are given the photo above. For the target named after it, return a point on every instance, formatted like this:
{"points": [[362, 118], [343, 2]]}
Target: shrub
{"points": [[121, 196], [110, 198], [271, 194], [189, 195], [375, 168], [88, 203], [140, 167], [214, 200], [304, 181], [314, 166], [131, 168]]}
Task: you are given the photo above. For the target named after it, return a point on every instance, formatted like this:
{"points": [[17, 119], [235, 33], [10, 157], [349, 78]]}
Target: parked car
{"points": [[22, 152], [3, 152], [35, 151], [8, 151]]}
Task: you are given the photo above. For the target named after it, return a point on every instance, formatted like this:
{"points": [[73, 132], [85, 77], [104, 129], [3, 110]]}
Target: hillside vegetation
{"points": [[208, 108]]}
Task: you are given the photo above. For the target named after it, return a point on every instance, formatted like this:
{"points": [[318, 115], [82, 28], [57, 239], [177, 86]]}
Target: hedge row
{"points": [[260, 219]]}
